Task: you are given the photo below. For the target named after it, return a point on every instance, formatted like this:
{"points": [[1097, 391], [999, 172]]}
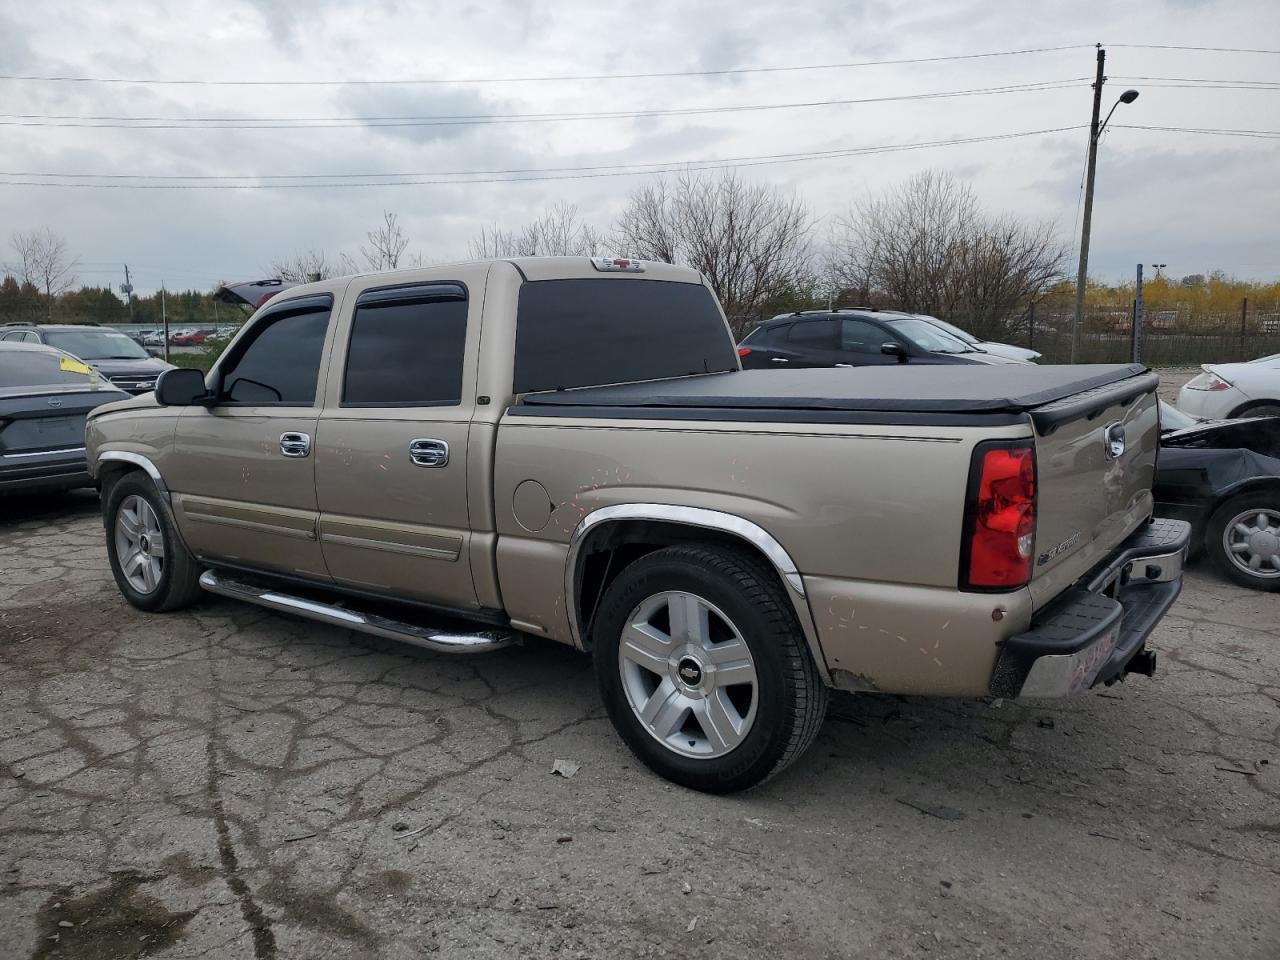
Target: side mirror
{"points": [[183, 387], [894, 350]]}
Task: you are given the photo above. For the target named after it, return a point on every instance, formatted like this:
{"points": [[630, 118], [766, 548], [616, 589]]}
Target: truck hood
{"points": [[146, 401]]}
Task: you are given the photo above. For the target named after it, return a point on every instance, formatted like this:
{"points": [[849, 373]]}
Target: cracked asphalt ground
{"points": [[228, 783]]}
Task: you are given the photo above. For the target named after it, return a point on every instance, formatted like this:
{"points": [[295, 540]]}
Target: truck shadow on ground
{"points": [[19, 508]]}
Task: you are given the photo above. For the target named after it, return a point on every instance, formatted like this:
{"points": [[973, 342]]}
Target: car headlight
{"points": [[1208, 381]]}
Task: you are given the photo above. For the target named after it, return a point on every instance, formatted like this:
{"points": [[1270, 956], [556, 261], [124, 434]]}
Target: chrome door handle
{"points": [[844, 364], [779, 360], [426, 452], [295, 444]]}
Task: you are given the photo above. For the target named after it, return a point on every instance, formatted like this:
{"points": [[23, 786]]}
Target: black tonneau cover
{"points": [[961, 389]]}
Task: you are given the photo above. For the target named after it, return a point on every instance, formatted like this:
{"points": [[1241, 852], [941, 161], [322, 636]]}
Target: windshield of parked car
{"points": [[1171, 418], [94, 343], [928, 337], [955, 331]]}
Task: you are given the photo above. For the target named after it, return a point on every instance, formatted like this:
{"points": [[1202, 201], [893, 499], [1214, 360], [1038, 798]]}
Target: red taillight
{"points": [[744, 351], [1000, 516]]}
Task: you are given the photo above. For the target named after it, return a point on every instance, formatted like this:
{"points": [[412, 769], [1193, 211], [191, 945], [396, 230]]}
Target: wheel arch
{"points": [[1244, 408], [111, 465], [626, 532], [1243, 488]]}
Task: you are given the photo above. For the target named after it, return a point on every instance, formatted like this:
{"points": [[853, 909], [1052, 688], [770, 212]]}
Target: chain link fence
{"points": [[1169, 337]]}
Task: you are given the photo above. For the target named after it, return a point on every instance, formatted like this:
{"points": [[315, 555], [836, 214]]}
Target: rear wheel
{"points": [[1243, 538], [704, 670], [151, 566]]}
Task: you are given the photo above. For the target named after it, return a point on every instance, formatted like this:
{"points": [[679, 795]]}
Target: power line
{"points": [[314, 123], [1175, 46], [1213, 131], [580, 173], [1261, 83], [545, 79]]}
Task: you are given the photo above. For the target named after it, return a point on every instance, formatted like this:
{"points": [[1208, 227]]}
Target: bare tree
{"points": [[928, 247], [45, 263], [306, 265], [386, 245], [751, 242], [560, 232]]}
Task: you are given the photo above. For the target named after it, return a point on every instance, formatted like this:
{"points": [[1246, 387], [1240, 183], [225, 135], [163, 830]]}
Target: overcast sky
{"points": [[1195, 202]]}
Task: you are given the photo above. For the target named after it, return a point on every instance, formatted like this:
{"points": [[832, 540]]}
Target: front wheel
{"points": [[152, 568], [704, 670], [1243, 538]]}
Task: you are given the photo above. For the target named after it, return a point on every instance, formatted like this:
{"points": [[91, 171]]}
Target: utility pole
{"points": [[1137, 318], [1077, 324], [164, 319], [127, 290]]}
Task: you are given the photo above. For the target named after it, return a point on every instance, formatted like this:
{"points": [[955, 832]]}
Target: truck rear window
{"points": [[580, 333]]}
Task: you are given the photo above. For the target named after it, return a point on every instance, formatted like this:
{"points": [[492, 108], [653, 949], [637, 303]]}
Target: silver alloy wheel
{"points": [[1252, 541], [139, 544], [688, 675]]}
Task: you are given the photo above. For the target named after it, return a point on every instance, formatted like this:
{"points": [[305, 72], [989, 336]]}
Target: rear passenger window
{"points": [[281, 363], [815, 334], [406, 348]]}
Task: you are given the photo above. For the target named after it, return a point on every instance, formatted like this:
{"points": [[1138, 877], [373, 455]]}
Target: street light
{"points": [[1095, 132]]}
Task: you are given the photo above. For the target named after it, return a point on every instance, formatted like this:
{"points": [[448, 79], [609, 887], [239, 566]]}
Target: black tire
{"points": [[1258, 410], [178, 583], [790, 699], [1222, 557]]}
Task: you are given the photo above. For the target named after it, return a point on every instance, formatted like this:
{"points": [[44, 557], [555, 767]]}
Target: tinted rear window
{"points": [[35, 368], [406, 353], [579, 333]]}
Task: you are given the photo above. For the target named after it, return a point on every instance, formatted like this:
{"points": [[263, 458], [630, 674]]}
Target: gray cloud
{"points": [[1160, 195]]}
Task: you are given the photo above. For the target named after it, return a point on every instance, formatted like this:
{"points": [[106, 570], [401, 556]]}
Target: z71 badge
{"points": [[1062, 547]]}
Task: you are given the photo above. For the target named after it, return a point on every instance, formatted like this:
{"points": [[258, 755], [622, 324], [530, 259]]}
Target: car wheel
{"points": [[1243, 538], [704, 670], [152, 568]]}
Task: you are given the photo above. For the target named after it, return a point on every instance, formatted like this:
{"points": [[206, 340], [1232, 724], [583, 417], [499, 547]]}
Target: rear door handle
{"points": [[295, 444], [426, 452], [779, 360]]}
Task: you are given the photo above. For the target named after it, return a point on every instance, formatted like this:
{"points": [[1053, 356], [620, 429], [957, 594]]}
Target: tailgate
{"points": [[1095, 464]]}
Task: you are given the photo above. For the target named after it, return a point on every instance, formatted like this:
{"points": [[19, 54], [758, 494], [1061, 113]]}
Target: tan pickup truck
{"points": [[459, 456]]}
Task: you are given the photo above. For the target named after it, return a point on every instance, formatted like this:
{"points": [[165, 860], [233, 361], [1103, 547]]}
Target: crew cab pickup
{"points": [[462, 456]]}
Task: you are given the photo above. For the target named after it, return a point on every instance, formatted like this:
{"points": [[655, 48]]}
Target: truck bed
{"points": [[1051, 394]]}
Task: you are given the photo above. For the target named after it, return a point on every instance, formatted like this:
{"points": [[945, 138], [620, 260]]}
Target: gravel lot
{"points": [[229, 783]]}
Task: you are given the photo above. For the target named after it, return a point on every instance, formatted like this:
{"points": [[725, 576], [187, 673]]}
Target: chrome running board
{"points": [[441, 641]]}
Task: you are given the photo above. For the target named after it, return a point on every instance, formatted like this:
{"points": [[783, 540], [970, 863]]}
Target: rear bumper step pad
{"points": [[1092, 632]]}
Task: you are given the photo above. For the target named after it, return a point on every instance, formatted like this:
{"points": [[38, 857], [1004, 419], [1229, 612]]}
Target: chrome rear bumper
{"points": [[1091, 633]]}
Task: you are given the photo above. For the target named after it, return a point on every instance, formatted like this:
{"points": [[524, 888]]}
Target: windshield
{"points": [[928, 337], [955, 331], [95, 344], [1171, 418]]}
